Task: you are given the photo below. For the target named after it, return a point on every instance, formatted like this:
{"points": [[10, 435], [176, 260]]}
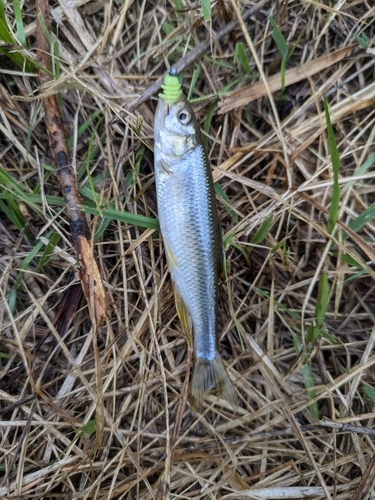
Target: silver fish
{"points": [[191, 234]]}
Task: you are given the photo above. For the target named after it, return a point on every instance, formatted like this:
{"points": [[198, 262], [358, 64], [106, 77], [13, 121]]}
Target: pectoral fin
{"points": [[165, 168], [184, 318]]}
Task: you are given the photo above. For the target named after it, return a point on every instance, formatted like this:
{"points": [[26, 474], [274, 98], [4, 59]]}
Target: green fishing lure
{"points": [[171, 88]]}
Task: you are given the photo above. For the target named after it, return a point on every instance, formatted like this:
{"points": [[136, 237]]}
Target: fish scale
{"points": [[189, 227]]}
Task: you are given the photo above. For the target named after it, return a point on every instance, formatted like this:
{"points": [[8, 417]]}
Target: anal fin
{"points": [[184, 318]]}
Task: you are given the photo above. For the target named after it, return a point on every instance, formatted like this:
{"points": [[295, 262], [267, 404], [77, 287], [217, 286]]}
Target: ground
{"points": [[285, 100]]}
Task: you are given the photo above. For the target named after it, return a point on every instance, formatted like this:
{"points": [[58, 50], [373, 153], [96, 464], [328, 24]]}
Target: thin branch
{"points": [[91, 279]]}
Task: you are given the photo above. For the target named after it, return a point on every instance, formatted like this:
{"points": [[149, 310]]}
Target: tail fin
{"points": [[207, 374]]}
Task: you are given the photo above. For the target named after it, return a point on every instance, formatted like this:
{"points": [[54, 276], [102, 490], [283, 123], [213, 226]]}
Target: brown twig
{"points": [[91, 279]]}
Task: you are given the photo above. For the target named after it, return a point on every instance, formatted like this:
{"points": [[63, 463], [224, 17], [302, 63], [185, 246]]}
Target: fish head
{"points": [[176, 129]]}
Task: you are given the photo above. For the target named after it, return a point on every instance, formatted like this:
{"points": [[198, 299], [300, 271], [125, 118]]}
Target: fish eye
{"points": [[185, 117]]}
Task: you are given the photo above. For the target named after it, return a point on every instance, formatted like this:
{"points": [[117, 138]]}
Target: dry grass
{"points": [[271, 158]]}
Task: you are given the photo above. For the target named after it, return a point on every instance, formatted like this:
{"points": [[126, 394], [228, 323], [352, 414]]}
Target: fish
{"points": [[191, 235]]}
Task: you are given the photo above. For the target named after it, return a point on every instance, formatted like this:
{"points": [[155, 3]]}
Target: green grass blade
{"points": [[283, 48], [362, 219], [88, 428], [227, 203], [12, 192], [322, 301], [5, 34], [4, 355], [362, 40], [206, 8], [48, 251], [27, 260], [308, 382], [362, 170], [278, 245], [317, 330], [349, 260], [13, 214], [12, 300], [56, 68], [24, 265], [311, 393], [282, 73], [167, 27], [242, 251], [91, 155], [266, 295], [369, 392], [87, 164], [335, 159], [44, 28], [295, 45], [101, 228], [279, 38], [222, 64], [33, 199], [126, 217], [193, 82], [19, 22], [56, 58], [7, 37], [179, 8], [14, 56], [240, 55], [355, 276], [10, 185], [262, 232], [82, 129]]}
